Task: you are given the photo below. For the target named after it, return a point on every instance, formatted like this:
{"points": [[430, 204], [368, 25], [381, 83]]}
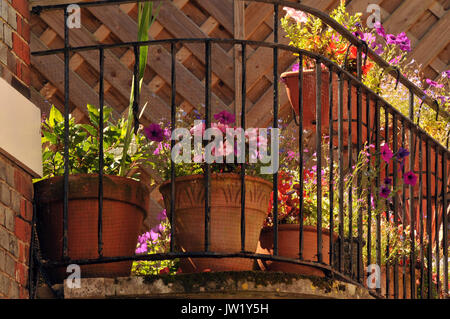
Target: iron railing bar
{"points": [[331, 177], [412, 212], [101, 153], [359, 177], [350, 169], [173, 194], [319, 158], [395, 199], [243, 125], [208, 77], [300, 141], [66, 136], [403, 215], [41, 8], [369, 194], [388, 212], [377, 183], [421, 229], [275, 125], [136, 95], [429, 214], [341, 170], [436, 221], [445, 221]]}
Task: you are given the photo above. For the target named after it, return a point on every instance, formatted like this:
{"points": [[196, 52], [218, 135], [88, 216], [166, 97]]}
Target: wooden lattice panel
{"points": [[425, 22]]}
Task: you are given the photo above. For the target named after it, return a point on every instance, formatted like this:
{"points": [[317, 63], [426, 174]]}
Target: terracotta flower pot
{"points": [[290, 80], [125, 206], [225, 218], [288, 246]]}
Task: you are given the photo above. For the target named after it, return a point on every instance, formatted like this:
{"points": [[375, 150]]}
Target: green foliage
{"points": [[84, 145]]}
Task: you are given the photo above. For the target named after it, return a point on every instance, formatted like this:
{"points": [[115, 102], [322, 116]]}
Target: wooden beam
{"points": [[239, 33], [406, 14]]}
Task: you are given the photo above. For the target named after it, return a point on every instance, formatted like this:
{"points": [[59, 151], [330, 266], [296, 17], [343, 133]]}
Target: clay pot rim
{"points": [[216, 176], [94, 176], [291, 74], [295, 227]]}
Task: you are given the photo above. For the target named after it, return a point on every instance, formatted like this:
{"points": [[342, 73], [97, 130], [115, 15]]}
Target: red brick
{"points": [[26, 209], [21, 48], [24, 253], [21, 274], [23, 230], [23, 184], [22, 7], [23, 28]]}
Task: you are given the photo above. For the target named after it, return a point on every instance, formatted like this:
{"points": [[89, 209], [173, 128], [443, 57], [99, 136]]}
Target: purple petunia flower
{"points": [[225, 117], [296, 67], [377, 47], [385, 192], [410, 178], [434, 84], [403, 42], [379, 28], [162, 215], [154, 132], [386, 153], [402, 153], [387, 181], [391, 39]]}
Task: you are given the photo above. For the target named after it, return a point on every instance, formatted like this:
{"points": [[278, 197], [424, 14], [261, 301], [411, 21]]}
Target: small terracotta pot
{"points": [[290, 79], [125, 205], [288, 246], [225, 218]]}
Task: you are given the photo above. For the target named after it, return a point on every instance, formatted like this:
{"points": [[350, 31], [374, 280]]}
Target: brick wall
{"points": [[16, 189], [14, 44], [16, 211]]}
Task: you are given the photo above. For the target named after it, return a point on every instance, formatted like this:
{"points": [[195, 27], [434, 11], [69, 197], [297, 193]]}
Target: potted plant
{"points": [[309, 33], [125, 199], [225, 192], [289, 219]]}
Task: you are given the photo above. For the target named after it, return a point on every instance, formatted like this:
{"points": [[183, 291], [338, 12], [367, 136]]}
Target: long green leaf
{"points": [[145, 20]]}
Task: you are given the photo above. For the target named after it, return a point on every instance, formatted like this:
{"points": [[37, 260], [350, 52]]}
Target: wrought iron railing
{"points": [[422, 200]]}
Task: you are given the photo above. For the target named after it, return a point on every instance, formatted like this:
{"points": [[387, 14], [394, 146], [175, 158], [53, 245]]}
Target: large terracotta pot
{"points": [[288, 246], [225, 218], [125, 206], [290, 79]]}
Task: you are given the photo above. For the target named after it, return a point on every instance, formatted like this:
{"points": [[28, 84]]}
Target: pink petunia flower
{"points": [[386, 153], [410, 178], [298, 16]]}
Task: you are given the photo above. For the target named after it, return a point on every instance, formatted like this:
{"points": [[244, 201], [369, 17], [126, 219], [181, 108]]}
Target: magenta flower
{"points": [[379, 28], [434, 84], [410, 178], [403, 42], [225, 117], [141, 249], [386, 153], [377, 47], [162, 215], [385, 192], [154, 132], [391, 39], [395, 60], [296, 67]]}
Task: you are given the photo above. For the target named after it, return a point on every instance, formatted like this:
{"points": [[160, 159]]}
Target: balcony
{"points": [[363, 189]]}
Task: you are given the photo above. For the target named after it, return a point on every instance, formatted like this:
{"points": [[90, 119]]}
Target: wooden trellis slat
{"points": [[425, 22]]}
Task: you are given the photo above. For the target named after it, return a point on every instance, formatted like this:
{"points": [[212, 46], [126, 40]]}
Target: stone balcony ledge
{"points": [[223, 285]]}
